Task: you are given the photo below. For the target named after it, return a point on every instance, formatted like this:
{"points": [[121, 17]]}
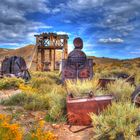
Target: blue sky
{"points": [[109, 28]]}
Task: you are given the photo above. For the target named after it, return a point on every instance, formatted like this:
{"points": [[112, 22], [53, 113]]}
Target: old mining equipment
{"points": [[47, 46], [14, 67], [77, 65], [79, 108]]}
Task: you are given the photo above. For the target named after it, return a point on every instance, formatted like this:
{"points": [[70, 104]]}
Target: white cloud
{"points": [[56, 10], [41, 26], [87, 45], [14, 26], [135, 52], [67, 21], [116, 15], [111, 40], [85, 4], [62, 32], [90, 53]]}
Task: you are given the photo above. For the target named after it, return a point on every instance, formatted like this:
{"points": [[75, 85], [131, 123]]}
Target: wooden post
{"points": [[37, 60], [51, 39], [37, 53], [65, 49], [53, 61], [50, 55], [50, 58], [42, 59]]}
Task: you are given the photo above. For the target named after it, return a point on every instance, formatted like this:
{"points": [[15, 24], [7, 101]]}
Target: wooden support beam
{"points": [[42, 59], [50, 58], [37, 68], [53, 61], [50, 55], [65, 49]]}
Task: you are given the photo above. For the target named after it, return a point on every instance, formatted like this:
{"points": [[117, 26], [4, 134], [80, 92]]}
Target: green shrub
{"points": [[37, 82], [41, 95], [57, 103], [18, 99], [28, 101], [121, 89], [52, 77], [9, 83], [117, 119], [37, 103]]}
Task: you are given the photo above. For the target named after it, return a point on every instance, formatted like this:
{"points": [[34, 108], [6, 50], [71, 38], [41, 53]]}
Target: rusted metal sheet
{"points": [[77, 66], [78, 109], [131, 80], [104, 81]]}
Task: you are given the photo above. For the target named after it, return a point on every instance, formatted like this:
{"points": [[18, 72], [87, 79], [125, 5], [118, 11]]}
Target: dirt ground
{"points": [[27, 118]]}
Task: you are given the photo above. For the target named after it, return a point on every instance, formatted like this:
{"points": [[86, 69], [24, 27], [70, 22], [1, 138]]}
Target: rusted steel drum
{"points": [[78, 109]]}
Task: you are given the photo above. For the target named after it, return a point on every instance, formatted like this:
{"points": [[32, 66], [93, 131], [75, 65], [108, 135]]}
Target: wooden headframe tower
{"points": [[50, 42]]}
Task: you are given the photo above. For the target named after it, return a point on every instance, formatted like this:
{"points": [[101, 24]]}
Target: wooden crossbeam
{"points": [[50, 42]]}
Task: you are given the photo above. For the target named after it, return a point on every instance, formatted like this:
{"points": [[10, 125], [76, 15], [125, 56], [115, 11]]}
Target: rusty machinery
{"points": [[50, 42], [78, 109], [77, 66], [14, 66]]}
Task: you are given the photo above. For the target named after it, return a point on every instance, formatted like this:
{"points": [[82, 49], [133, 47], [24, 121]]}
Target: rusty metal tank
{"points": [[14, 66], [78, 109], [77, 65]]}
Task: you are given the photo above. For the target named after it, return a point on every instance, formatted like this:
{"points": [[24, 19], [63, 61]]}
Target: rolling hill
{"points": [[27, 52]]}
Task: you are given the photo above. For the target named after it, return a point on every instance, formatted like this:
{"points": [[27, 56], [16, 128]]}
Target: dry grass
{"points": [[121, 89], [82, 88]]}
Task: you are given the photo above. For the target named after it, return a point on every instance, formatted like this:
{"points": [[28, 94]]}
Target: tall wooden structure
{"points": [[50, 42]]}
